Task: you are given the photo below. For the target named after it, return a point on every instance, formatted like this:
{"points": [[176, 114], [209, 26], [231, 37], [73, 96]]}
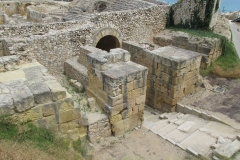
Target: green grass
{"points": [[39, 137], [42, 138], [228, 64]]}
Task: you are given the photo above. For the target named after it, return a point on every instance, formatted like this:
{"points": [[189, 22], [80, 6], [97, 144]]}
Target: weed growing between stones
{"points": [[40, 138], [228, 64]]}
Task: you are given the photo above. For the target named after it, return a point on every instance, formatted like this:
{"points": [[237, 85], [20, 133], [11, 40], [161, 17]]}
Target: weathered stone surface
{"points": [[34, 113], [49, 109], [115, 119], [58, 92], [23, 98], [6, 104], [41, 92], [91, 102], [228, 150], [79, 86], [120, 127], [65, 104]]}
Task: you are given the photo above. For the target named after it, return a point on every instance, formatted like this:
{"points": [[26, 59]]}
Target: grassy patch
{"points": [[40, 138], [228, 64]]}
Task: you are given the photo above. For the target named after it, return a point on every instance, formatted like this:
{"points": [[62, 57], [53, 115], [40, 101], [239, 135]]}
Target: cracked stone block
{"points": [[41, 92], [49, 109], [23, 98], [6, 104], [33, 72], [58, 92], [227, 150]]}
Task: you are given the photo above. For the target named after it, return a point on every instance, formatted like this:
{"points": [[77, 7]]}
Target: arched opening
{"points": [[107, 43], [101, 7]]}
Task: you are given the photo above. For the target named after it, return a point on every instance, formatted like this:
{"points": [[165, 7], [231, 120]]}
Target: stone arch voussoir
{"points": [[107, 31]]}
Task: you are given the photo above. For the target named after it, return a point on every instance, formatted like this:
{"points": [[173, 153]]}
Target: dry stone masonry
{"points": [[172, 73], [119, 86], [210, 48], [33, 95], [65, 37]]}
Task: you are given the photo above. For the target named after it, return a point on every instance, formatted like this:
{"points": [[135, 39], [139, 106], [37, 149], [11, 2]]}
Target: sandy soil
{"points": [[139, 144], [220, 104]]}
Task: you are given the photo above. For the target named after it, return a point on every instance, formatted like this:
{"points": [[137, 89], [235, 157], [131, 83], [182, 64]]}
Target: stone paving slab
{"points": [[200, 142], [216, 129], [166, 130], [190, 132], [178, 136], [228, 150], [158, 125]]}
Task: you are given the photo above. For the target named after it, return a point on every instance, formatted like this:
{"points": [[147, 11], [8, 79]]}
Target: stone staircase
{"points": [[198, 136]]}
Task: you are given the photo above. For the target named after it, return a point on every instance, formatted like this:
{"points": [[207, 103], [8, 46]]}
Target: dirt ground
{"points": [[205, 98], [139, 144]]}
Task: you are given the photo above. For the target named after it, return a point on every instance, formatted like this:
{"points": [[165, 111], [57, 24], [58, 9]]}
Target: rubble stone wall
{"points": [[119, 87], [168, 79], [51, 44], [195, 13]]}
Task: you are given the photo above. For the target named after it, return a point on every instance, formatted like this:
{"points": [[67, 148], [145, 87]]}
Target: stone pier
{"points": [[119, 87]]}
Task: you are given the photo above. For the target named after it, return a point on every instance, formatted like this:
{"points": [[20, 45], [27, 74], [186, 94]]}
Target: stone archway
{"points": [[107, 38], [107, 43]]}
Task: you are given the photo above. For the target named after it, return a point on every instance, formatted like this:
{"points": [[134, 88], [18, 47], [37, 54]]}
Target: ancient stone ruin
{"points": [[118, 50]]}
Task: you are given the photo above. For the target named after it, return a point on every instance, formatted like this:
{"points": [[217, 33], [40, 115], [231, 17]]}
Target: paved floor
{"points": [[191, 133], [236, 35]]}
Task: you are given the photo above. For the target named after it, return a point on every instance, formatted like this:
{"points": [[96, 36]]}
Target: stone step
{"points": [[227, 150], [193, 134]]}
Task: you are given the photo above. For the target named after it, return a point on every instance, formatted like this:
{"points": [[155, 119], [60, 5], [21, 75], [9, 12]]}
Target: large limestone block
{"points": [[41, 91], [23, 98], [228, 150], [49, 109], [65, 104], [6, 104], [50, 122], [63, 128], [34, 113], [34, 72], [120, 127], [66, 116], [113, 110], [58, 92], [115, 119]]}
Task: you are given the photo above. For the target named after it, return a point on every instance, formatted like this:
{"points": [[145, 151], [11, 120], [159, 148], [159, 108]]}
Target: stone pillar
{"points": [[119, 87]]}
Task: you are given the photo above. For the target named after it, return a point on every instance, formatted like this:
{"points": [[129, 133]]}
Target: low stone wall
{"points": [[37, 97], [74, 70], [98, 127], [84, 50], [210, 48], [172, 73], [119, 87]]}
